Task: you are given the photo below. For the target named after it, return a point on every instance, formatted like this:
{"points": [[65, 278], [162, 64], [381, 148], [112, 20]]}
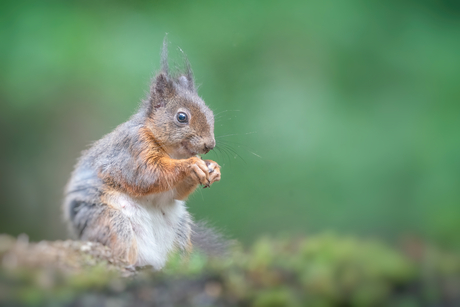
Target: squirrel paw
{"points": [[200, 171], [214, 172]]}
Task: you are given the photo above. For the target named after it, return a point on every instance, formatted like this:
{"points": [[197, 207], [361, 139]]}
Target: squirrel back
{"points": [[128, 190]]}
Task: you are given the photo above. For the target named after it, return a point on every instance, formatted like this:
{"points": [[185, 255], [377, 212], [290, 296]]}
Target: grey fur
{"points": [[118, 155], [209, 240]]}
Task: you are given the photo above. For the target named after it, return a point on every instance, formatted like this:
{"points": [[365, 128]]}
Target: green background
{"points": [[331, 115]]}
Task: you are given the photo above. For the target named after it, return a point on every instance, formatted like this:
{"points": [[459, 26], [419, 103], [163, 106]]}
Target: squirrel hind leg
{"points": [[108, 226]]}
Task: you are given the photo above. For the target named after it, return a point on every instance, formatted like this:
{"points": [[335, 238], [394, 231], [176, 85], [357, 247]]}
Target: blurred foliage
{"points": [[352, 107], [323, 270]]}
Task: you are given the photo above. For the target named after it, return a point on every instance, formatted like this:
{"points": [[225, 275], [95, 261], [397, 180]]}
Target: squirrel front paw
{"points": [[199, 171], [214, 172]]}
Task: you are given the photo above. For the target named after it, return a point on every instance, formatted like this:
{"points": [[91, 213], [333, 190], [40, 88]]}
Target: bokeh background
{"points": [[331, 116]]}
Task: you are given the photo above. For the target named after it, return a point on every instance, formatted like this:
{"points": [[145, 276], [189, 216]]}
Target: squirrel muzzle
{"points": [[209, 146]]}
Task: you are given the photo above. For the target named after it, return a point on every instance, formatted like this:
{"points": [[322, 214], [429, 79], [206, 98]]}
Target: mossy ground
{"points": [[323, 270]]}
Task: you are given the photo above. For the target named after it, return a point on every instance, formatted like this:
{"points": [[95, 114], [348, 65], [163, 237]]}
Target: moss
{"points": [[282, 297], [324, 270]]}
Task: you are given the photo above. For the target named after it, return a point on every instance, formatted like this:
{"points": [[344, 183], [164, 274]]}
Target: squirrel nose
{"points": [[209, 146]]}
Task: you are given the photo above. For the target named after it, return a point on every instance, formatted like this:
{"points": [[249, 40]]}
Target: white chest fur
{"points": [[155, 220]]}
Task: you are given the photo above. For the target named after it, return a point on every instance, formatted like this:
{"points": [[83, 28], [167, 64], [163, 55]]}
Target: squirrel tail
{"points": [[210, 241]]}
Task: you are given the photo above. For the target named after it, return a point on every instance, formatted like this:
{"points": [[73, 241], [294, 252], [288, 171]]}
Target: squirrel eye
{"points": [[181, 117]]}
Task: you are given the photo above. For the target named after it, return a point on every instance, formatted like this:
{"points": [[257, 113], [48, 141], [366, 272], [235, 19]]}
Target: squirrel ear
{"points": [[184, 81], [161, 90]]}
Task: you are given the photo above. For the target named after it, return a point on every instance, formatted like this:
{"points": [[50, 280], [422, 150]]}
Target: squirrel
{"points": [[128, 190]]}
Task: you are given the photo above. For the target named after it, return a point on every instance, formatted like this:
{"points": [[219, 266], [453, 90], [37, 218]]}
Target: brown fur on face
{"points": [[180, 140]]}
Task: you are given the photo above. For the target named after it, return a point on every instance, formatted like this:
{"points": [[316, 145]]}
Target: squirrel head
{"points": [[179, 119]]}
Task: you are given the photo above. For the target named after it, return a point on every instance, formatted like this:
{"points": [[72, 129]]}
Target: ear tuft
{"points": [[188, 73], [165, 85], [164, 56]]}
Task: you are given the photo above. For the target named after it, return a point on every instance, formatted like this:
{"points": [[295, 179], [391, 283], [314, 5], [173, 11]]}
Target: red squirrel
{"points": [[128, 190]]}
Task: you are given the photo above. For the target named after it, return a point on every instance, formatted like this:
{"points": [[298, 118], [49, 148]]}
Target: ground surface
{"points": [[326, 270]]}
